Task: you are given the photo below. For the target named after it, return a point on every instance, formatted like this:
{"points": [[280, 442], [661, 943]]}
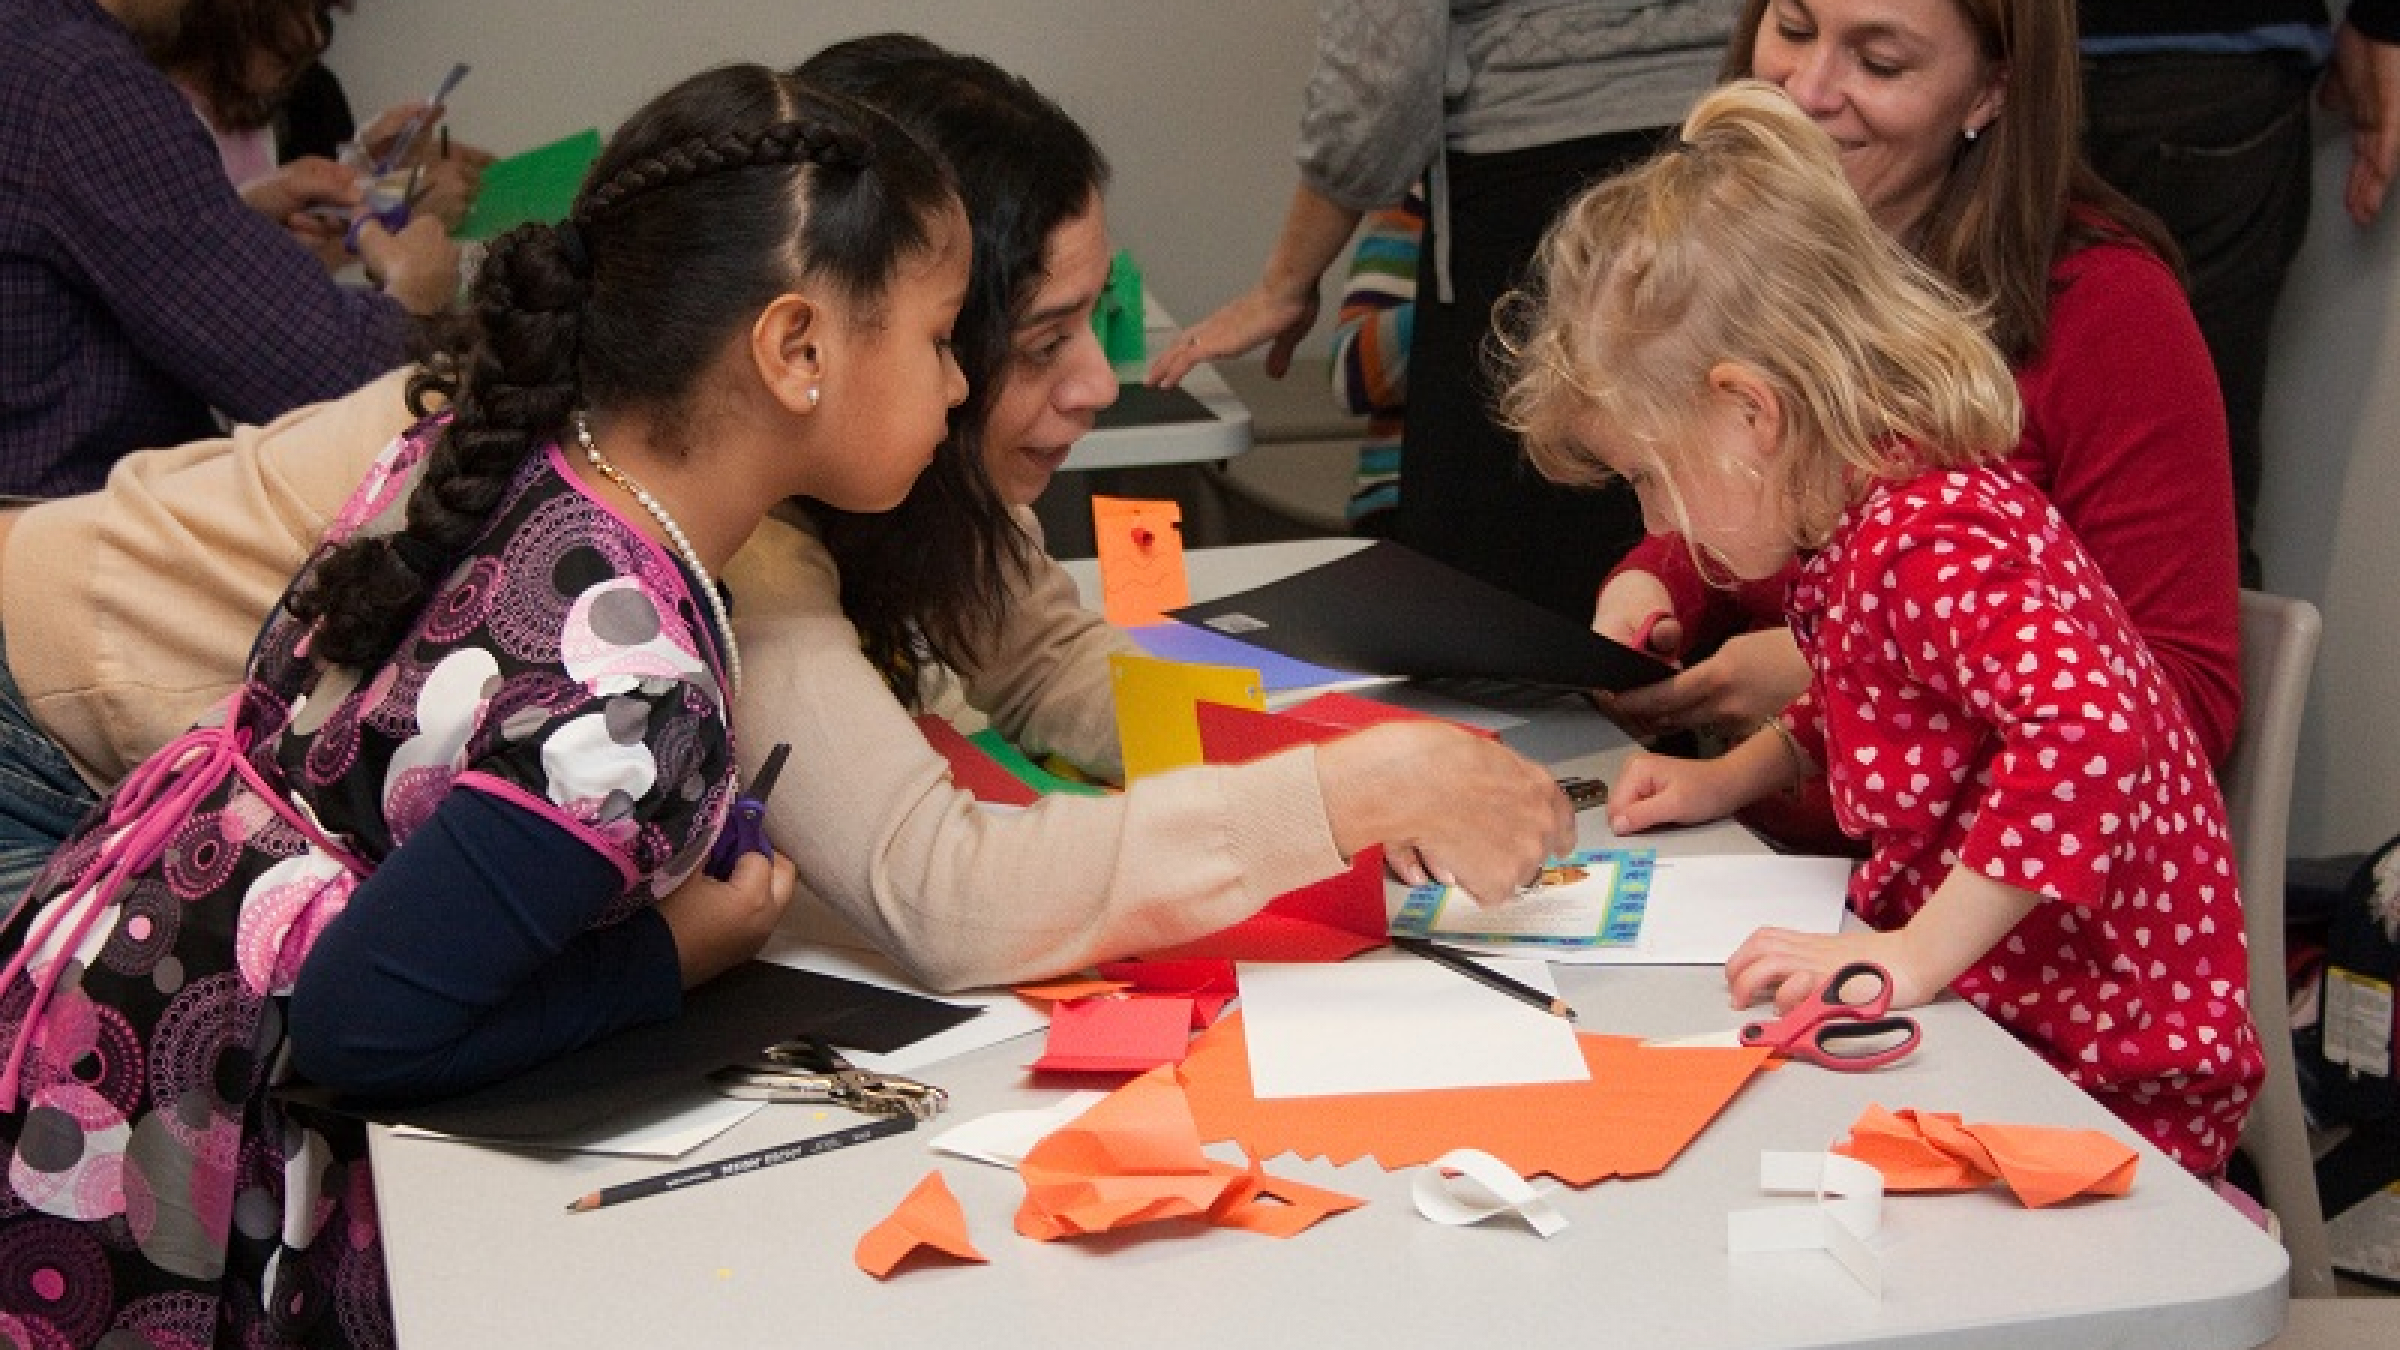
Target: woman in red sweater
{"points": [[1957, 121]]}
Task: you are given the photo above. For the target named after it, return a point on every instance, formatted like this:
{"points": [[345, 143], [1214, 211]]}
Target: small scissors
{"points": [[1846, 1024], [745, 829]]}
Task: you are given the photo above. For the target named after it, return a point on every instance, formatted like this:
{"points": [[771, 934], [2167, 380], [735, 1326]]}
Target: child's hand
{"points": [[1787, 967], [1664, 790], [717, 925]]}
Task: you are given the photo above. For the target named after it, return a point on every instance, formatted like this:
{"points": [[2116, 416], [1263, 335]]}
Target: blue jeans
{"points": [[2216, 146], [42, 798]]}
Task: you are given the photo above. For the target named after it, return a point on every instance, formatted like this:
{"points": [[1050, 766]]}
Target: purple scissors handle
{"points": [[1846, 1024], [745, 829]]}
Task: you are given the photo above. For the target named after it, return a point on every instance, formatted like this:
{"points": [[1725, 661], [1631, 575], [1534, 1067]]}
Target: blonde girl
{"points": [[1726, 329]]}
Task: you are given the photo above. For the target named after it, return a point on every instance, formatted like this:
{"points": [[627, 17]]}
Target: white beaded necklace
{"points": [[675, 536]]}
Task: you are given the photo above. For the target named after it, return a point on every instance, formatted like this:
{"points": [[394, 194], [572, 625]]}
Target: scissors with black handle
{"points": [[745, 828], [1846, 1024]]}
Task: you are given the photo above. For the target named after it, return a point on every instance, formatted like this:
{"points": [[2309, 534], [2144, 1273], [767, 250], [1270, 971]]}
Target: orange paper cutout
{"points": [[1277, 1206], [1643, 1105], [928, 1219], [2040, 1164], [1116, 1035], [1135, 1158], [1140, 552]]}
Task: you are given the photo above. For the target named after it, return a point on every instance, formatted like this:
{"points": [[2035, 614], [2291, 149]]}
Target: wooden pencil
{"points": [[677, 1180], [1475, 970]]}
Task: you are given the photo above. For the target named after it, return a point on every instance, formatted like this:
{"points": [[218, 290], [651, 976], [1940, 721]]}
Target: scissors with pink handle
{"points": [[1846, 1024]]}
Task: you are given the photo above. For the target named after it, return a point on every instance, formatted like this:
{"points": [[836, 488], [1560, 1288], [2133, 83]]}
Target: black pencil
{"points": [[877, 1128], [1475, 970]]}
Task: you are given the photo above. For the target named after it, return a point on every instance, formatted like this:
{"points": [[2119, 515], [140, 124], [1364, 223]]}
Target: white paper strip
{"points": [[1003, 1138], [1848, 1210], [1467, 1186]]}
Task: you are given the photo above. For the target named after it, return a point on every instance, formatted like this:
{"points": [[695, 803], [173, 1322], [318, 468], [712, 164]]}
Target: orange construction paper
{"points": [[1067, 991], [1277, 1206], [1140, 551], [1643, 1105], [929, 1219], [1135, 1158], [2040, 1164], [1117, 1035]]}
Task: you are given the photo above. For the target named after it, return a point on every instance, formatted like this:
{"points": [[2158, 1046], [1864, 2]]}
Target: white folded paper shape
{"points": [[1467, 1186], [1003, 1138], [1848, 1210]]}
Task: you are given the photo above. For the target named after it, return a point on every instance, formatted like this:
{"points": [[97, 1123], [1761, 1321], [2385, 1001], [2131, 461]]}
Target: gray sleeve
{"points": [[1371, 119]]}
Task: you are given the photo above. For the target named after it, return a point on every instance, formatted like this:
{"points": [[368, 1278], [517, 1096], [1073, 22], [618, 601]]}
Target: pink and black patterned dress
{"points": [[154, 1185], [1979, 697]]}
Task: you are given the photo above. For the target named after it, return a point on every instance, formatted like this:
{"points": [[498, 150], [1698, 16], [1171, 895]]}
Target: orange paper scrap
{"points": [[1140, 552], [2040, 1164], [1135, 1158], [1116, 1035], [929, 1219], [1643, 1105], [1067, 991]]}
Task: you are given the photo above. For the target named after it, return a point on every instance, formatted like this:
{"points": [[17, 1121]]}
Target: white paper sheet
{"points": [[667, 1129], [1701, 908], [1394, 1023]]}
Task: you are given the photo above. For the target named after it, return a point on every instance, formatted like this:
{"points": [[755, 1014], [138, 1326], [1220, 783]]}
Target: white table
{"points": [[483, 1253]]}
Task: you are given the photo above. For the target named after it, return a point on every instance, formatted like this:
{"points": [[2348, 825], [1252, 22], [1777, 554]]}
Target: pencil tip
{"points": [[587, 1202]]}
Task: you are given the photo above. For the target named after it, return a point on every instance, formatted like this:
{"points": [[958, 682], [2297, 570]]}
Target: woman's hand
{"points": [[1446, 804], [417, 267], [717, 925], [1257, 315]]}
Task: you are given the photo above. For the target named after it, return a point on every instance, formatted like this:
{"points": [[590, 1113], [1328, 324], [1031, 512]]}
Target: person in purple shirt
{"points": [[141, 293]]}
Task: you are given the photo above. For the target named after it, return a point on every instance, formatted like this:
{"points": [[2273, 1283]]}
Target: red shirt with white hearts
{"points": [[1978, 697]]}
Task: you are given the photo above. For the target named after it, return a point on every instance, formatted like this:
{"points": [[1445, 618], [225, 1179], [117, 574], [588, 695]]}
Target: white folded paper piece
{"points": [[1848, 1210], [1467, 1186], [1003, 1138]]}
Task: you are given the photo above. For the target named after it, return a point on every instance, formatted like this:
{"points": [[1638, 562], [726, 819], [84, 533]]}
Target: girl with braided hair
{"points": [[451, 823]]}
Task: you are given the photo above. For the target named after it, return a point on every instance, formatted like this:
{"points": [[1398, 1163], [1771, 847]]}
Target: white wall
{"points": [[2330, 522], [1195, 102]]}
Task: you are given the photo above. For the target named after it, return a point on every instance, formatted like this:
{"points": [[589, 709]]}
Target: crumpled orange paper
{"points": [[1135, 1158], [2041, 1164], [1644, 1103], [929, 1218]]}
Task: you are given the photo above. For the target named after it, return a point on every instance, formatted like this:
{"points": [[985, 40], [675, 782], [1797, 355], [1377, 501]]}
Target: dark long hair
{"points": [[213, 50], [928, 581], [2020, 196], [728, 190]]}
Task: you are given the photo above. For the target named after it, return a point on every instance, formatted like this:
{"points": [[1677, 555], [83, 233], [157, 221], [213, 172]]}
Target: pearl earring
{"points": [[1972, 133], [813, 393]]}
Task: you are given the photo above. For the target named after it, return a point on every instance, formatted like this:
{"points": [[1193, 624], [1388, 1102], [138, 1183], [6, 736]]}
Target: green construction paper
{"points": [[539, 184], [1118, 318], [1026, 771]]}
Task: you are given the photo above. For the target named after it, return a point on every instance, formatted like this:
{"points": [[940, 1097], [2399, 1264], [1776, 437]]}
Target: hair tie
{"points": [[427, 561], [573, 249]]}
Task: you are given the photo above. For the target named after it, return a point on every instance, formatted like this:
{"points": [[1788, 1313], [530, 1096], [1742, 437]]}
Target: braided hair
{"points": [[927, 582], [732, 188]]}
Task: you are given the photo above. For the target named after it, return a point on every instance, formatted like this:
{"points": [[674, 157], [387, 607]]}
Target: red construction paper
{"points": [[1350, 712], [1209, 983], [929, 1219], [1643, 1105], [1330, 920], [973, 770], [1117, 1035], [2040, 1164]]}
